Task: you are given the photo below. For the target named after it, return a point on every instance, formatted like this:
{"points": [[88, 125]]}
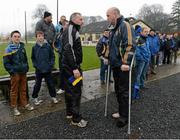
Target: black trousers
{"points": [[167, 54], [72, 96], [61, 81], [121, 84], [50, 83]]}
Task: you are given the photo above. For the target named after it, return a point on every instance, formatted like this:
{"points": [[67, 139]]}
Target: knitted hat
{"points": [[47, 14], [138, 28]]}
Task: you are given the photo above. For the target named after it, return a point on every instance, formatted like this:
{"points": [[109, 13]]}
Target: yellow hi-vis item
{"points": [[125, 53], [75, 81]]}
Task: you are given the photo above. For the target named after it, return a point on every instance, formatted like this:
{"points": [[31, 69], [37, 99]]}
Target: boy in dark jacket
{"points": [[15, 62], [167, 49], [175, 47], [43, 60], [102, 50]]}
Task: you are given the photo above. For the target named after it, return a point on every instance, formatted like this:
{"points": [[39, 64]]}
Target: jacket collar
{"points": [[75, 25], [119, 21], [18, 45], [41, 44], [144, 37], [105, 36]]}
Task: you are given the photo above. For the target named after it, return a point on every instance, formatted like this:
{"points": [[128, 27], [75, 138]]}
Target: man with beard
{"points": [[46, 26]]}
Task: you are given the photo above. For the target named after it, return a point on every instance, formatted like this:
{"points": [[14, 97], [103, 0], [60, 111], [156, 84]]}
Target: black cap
{"points": [[47, 14], [152, 30]]}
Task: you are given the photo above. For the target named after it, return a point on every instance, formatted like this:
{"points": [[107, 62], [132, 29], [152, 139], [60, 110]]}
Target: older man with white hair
{"points": [[71, 70]]}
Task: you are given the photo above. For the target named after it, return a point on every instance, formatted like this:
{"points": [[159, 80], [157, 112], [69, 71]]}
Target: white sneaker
{"points": [[29, 107], [82, 123], [60, 91], [37, 102], [116, 115], [16, 112], [55, 101], [69, 117]]}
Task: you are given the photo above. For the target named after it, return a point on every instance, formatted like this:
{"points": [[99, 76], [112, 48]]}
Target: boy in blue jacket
{"points": [[16, 64], [154, 46], [43, 60], [143, 56]]}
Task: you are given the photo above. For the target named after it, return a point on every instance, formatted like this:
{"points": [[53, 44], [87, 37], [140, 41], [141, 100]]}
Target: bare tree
{"points": [[37, 14], [155, 17], [176, 15], [92, 19], [39, 11]]}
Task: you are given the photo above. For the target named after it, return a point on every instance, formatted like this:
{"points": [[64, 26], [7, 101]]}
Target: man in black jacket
{"points": [[72, 75]]}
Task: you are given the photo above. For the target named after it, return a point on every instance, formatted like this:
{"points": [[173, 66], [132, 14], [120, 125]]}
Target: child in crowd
{"points": [[43, 60], [15, 62]]}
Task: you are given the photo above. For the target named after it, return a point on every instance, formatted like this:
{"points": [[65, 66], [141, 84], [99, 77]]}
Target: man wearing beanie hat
{"points": [[138, 30], [47, 14], [46, 26]]}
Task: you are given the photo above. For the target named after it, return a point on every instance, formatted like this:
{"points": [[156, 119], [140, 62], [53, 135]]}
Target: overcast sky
{"points": [[12, 11]]}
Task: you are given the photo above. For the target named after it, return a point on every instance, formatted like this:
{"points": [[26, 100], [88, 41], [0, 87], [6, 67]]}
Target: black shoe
{"points": [[113, 92], [121, 122], [153, 72], [102, 82], [110, 81], [144, 88]]}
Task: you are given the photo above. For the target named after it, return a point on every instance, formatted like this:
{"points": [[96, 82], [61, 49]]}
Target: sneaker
{"points": [[37, 102], [116, 115], [16, 112], [55, 101], [153, 72], [60, 91], [82, 123], [69, 116], [29, 107]]}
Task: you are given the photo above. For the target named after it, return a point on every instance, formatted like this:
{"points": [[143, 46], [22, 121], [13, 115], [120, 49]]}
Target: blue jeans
{"points": [[103, 70], [141, 70]]}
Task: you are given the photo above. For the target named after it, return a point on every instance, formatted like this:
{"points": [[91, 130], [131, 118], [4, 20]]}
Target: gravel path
{"points": [[155, 115]]}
